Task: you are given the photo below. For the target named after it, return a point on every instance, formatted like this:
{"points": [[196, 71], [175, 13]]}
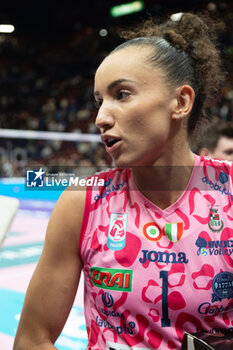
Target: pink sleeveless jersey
{"points": [[151, 274]]}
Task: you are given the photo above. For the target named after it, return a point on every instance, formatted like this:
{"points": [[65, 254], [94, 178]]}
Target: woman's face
{"points": [[136, 106]]}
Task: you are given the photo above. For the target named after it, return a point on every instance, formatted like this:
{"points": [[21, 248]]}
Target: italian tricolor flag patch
{"points": [[174, 231]]}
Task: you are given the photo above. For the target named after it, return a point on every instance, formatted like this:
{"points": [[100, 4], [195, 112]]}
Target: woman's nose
{"points": [[104, 119]]}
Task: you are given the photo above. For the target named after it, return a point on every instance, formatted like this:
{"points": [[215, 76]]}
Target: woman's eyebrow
{"points": [[113, 84]]}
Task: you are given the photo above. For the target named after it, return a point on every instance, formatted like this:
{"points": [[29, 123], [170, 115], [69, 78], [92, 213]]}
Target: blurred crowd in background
{"points": [[47, 85]]}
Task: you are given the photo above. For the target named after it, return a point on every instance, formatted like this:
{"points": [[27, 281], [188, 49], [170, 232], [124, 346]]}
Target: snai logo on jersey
{"points": [[114, 279], [117, 231]]}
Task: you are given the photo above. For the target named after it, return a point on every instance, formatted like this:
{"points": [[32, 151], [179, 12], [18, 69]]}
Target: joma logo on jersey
{"points": [[163, 257], [113, 279]]}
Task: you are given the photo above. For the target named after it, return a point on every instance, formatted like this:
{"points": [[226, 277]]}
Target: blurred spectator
{"points": [[217, 141]]}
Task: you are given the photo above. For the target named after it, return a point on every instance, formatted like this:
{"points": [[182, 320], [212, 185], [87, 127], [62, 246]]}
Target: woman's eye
{"points": [[123, 94]]}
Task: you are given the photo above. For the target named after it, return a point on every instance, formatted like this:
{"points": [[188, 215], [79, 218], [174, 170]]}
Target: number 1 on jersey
{"points": [[165, 321]]}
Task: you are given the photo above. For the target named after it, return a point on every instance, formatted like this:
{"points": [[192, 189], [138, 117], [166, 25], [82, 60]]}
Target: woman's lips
{"points": [[112, 148]]}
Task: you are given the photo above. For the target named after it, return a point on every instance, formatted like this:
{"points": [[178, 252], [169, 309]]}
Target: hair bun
{"points": [[176, 40], [176, 17]]}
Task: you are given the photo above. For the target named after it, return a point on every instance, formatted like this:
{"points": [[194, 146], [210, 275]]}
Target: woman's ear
{"points": [[185, 97], [204, 152]]}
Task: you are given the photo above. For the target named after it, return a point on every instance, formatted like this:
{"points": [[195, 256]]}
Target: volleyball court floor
{"points": [[18, 258]]}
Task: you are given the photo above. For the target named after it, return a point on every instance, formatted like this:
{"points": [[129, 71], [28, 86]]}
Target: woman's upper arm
{"points": [[52, 289]]}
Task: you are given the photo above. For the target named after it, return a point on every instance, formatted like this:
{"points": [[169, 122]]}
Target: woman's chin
{"points": [[126, 163], [119, 163]]}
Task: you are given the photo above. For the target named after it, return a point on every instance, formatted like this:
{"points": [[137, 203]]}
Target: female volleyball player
{"points": [[155, 242]]}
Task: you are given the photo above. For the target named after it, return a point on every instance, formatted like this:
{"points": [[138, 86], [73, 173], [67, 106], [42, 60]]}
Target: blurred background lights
{"points": [[176, 16], [103, 32], [6, 28], [211, 6], [126, 9]]}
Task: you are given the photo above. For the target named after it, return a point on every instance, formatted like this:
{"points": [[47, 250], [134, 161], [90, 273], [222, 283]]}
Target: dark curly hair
{"points": [[186, 49]]}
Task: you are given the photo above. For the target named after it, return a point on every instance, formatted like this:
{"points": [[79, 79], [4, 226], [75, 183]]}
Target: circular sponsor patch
{"points": [[223, 178], [222, 285], [203, 251], [152, 231]]}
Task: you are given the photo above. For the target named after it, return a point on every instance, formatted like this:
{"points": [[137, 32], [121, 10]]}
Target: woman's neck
{"points": [[164, 181]]}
